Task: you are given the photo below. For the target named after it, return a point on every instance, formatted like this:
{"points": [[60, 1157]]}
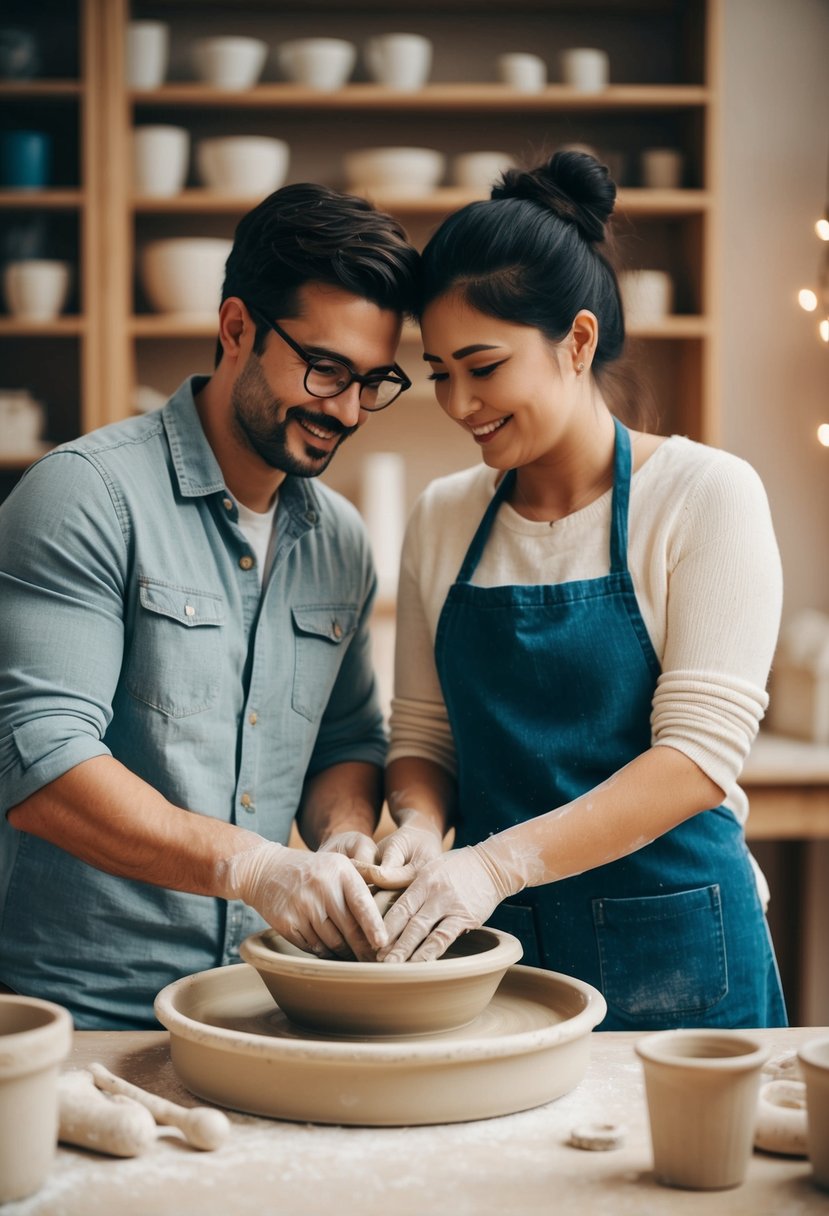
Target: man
{"points": [[184, 650]]}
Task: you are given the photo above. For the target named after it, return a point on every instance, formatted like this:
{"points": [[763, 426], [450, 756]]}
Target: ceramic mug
{"points": [[399, 61], [160, 158], [521, 71], [35, 1037], [229, 63], [814, 1064], [662, 168], [36, 289], [324, 64], [647, 295], [147, 53], [25, 159], [586, 69], [21, 422], [702, 1088]]}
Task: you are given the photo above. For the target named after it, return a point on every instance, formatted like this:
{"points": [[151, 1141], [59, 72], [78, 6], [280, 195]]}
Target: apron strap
{"points": [[622, 465]]}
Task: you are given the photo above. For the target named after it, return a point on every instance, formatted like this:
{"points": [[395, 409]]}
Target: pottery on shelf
{"points": [[184, 275]]}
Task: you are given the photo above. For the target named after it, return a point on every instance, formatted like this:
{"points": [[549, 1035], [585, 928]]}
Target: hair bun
{"points": [[574, 185]]}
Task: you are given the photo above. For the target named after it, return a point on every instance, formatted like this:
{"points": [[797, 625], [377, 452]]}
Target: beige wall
{"points": [[774, 373]]}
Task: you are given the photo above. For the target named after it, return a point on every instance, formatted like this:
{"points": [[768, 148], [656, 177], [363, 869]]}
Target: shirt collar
{"points": [[198, 471]]}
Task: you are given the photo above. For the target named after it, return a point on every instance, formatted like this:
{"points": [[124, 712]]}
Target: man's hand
{"points": [[317, 901], [362, 849], [455, 892]]}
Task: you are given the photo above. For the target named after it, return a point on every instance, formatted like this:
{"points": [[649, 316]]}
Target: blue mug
{"points": [[25, 159]]}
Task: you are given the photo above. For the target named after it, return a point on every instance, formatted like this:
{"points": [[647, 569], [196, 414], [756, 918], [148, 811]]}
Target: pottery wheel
{"points": [[231, 1044]]}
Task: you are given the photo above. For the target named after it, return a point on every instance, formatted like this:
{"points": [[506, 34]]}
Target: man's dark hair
{"points": [[307, 233]]}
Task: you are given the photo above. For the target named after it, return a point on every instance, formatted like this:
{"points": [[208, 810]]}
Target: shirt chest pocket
{"points": [[321, 636], [174, 658]]}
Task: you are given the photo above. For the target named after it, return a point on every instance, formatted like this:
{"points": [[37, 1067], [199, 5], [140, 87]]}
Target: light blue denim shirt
{"points": [[132, 625]]}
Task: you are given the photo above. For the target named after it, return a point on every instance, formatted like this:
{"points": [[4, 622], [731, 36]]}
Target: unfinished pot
{"points": [[35, 1037], [331, 996]]}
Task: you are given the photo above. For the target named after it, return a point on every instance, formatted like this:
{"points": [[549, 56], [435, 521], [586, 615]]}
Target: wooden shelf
{"points": [[438, 203], [61, 327], [40, 90], [675, 327], [475, 98], [47, 200]]}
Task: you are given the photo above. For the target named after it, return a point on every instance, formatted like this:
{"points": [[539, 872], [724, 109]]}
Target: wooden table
{"points": [[513, 1166], [787, 783]]}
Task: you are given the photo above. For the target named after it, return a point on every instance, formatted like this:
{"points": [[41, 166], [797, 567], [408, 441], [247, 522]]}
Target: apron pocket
{"points": [[662, 955]]}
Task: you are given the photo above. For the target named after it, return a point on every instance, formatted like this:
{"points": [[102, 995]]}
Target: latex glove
{"points": [[457, 891], [402, 854], [360, 848], [317, 901]]}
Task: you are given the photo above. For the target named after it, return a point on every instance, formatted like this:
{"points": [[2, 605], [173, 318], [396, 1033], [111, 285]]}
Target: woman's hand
{"points": [[403, 854], [454, 892]]}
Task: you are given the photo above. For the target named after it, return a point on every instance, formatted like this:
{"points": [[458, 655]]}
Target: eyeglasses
{"points": [[326, 376]]}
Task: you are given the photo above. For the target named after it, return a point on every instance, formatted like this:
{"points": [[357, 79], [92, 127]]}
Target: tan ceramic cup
{"points": [[702, 1088], [35, 1037], [814, 1064]]}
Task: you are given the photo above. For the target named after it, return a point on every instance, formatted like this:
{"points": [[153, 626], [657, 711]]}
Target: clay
{"points": [[597, 1137], [203, 1127], [334, 996], [781, 1118], [35, 1037], [231, 1045], [814, 1062], [91, 1119]]}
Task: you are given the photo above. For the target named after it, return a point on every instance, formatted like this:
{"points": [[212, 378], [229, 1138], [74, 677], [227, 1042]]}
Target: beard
{"points": [[261, 422]]}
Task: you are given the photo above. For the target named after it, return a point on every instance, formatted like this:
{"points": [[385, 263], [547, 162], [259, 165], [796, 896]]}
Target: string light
{"points": [[818, 301]]}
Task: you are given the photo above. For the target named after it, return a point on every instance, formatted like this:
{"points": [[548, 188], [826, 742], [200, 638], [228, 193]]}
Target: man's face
{"points": [[272, 412]]}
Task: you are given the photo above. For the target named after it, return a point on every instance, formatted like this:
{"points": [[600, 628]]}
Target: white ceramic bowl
{"points": [[184, 274], [380, 999], [251, 165], [229, 63], [480, 170], [318, 63], [397, 172]]}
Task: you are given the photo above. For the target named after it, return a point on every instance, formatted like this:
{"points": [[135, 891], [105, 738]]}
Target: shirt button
{"points": [[246, 801], [337, 629], [189, 610], [246, 562], [227, 503], [252, 718], [311, 517]]}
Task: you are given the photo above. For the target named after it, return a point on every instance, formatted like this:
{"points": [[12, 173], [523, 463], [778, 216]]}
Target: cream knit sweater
{"points": [[707, 575]]}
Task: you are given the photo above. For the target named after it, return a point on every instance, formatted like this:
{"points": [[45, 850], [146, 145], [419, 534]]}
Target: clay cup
{"points": [[814, 1063], [35, 1037], [702, 1088]]}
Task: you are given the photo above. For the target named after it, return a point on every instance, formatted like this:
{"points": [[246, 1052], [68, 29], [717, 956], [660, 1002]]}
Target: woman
{"points": [[586, 625]]}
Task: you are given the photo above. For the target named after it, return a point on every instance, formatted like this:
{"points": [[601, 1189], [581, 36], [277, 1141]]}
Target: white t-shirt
{"points": [[258, 527], [707, 575]]}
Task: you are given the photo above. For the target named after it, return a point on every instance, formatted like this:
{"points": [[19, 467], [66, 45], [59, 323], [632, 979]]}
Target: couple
{"points": [[586, 620]]}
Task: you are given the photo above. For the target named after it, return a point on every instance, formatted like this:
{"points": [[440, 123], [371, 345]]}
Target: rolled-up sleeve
{"points": [[62, 561]]}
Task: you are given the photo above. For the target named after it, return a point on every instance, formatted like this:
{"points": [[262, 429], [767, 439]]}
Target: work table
{"points": [[518, 1164]]}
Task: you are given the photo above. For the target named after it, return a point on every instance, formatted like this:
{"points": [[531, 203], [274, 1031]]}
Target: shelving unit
{"points": [[664, 91]]}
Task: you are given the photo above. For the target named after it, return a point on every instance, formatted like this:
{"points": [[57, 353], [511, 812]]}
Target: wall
{"points": [[774, 373]]}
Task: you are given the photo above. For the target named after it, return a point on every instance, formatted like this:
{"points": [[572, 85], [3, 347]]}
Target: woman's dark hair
{"points": [[531, 255], [307, 233]]}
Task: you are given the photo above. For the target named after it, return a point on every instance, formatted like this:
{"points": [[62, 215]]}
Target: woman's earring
{"points": [[579, 369]]}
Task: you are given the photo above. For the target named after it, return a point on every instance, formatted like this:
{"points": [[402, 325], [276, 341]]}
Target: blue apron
{"points": [[549, 692]]}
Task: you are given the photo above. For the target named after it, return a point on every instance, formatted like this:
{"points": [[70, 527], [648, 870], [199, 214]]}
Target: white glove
{"points": [[401, 855], [457, 891], [317, 901], [360, 848]]}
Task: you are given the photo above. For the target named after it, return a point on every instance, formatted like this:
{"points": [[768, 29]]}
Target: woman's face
{"points": [[507, 385]]}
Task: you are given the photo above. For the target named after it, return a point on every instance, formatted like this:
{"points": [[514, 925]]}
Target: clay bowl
{"points": [[330, 996]]}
